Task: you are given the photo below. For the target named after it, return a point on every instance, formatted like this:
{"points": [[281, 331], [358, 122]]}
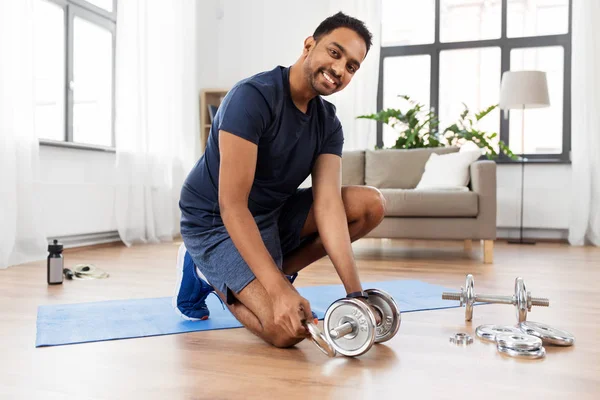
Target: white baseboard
{"points": [[90, 239], [87, 239], [533, 233]]}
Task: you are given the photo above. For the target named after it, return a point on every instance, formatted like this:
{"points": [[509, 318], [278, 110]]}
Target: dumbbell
{"points": [[352, 326], [521, 298]]}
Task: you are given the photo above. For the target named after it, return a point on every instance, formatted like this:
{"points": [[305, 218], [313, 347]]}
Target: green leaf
{"points": [[485, 112], [452, 128], [465, 112]]}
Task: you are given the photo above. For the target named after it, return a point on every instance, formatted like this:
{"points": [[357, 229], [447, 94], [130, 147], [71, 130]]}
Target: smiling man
{"points": [[247, 227]]}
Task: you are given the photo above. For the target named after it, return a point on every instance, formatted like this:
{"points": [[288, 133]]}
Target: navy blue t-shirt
{"points": [[260, 109]]}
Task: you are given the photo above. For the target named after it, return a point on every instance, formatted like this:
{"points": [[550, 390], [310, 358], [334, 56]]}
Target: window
{"points": [[49, 70], [407, 22], [536, 18], [451, 52], [74, 72], [543, 125], [413, 81], [472, 77], [463, 20]]}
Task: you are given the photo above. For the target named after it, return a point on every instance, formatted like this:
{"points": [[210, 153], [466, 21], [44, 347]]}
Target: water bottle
{"points": [[55, 263]]}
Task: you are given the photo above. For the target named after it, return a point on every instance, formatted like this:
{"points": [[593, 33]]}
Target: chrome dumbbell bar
{"points": [[343, 330], [521, 299]]}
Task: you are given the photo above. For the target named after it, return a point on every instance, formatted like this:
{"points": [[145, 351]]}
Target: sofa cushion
{"points": [[448, 170], [430, 203], [353, 167], [398, 169]]}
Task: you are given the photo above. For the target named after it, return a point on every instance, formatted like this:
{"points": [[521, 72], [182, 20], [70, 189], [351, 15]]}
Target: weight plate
{"points": [[530, 354], [357, 313], [519, 341], [461, 338], [489, 332], [469, 297], [547, 333], [390, 314], [320, 340], [521, 299]]}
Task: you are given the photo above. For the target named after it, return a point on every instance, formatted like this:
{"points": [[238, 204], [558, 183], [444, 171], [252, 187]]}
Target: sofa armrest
{"points": [[483, 177], [483, 182]]}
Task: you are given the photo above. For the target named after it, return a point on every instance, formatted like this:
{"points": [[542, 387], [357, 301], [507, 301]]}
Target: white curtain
{"points": [[585, 126], [156, 121], [22, 237], [360, 96]]}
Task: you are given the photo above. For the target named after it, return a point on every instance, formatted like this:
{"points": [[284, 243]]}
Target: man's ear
{"points": [[309, 43]]}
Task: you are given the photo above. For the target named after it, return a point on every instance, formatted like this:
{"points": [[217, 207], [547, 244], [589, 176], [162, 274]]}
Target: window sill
{"points": [[533, 161], [79, 146]]}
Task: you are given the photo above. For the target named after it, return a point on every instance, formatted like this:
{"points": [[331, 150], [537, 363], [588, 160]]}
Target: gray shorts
{"points": [[216, 256]]}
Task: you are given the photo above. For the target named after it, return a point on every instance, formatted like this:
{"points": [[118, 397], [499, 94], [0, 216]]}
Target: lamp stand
{"points": [[521, 240]]}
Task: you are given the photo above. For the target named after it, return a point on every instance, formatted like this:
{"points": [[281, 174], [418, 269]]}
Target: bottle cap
{"points": [[55, 247]]}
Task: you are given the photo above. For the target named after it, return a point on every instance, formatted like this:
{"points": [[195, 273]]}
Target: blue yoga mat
{"points": [[134, 318]]}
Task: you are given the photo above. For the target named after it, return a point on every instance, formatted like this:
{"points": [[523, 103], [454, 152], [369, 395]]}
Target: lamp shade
{"points": [[524, 89]]}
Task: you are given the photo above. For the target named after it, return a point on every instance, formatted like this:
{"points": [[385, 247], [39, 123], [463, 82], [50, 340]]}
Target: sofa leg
{"points": [[488, 251], [468, 245]]}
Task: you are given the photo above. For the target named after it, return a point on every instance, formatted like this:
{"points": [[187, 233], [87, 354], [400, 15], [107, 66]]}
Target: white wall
{"points": [[77, 191], [240, 38], [546, 199]]}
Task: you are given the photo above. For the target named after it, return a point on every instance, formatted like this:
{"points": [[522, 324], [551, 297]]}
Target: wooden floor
{"points": [[418, 363]]}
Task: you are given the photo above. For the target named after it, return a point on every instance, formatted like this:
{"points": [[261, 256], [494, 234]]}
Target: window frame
{"points": [[104, 19], [506, 44]]}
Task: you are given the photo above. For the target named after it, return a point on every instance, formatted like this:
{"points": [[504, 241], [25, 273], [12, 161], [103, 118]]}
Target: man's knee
{"points": [[285, 341], [375, 204], [279, 338]]}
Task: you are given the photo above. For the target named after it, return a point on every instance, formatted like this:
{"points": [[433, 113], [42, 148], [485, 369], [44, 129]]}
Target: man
{"points": [[246, 226]]}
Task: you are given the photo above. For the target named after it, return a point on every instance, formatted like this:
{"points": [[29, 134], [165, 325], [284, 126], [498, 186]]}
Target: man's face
{"points": [[331, 63]]}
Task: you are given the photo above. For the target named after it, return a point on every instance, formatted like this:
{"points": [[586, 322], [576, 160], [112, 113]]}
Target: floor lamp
{"points": [[521, 90]]}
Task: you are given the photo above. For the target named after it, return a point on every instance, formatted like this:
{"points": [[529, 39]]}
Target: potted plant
{"points": [[418, 128]]}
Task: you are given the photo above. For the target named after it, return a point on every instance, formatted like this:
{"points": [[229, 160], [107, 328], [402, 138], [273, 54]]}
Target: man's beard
{"points": [[319, 88], [314, 78]]}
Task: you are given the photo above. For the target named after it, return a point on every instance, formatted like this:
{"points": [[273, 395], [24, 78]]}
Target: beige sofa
{"points": [[426, 214]]}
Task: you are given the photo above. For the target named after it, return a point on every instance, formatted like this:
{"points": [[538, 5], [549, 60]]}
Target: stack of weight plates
{"points": [[520, 345], [526, 340]]}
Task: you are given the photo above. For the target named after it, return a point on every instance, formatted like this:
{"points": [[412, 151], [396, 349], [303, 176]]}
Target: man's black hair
{"points": [[341, 20]]}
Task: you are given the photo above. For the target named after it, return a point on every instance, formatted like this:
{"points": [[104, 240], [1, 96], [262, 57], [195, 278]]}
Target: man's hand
{"points": [[290, 310]]}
